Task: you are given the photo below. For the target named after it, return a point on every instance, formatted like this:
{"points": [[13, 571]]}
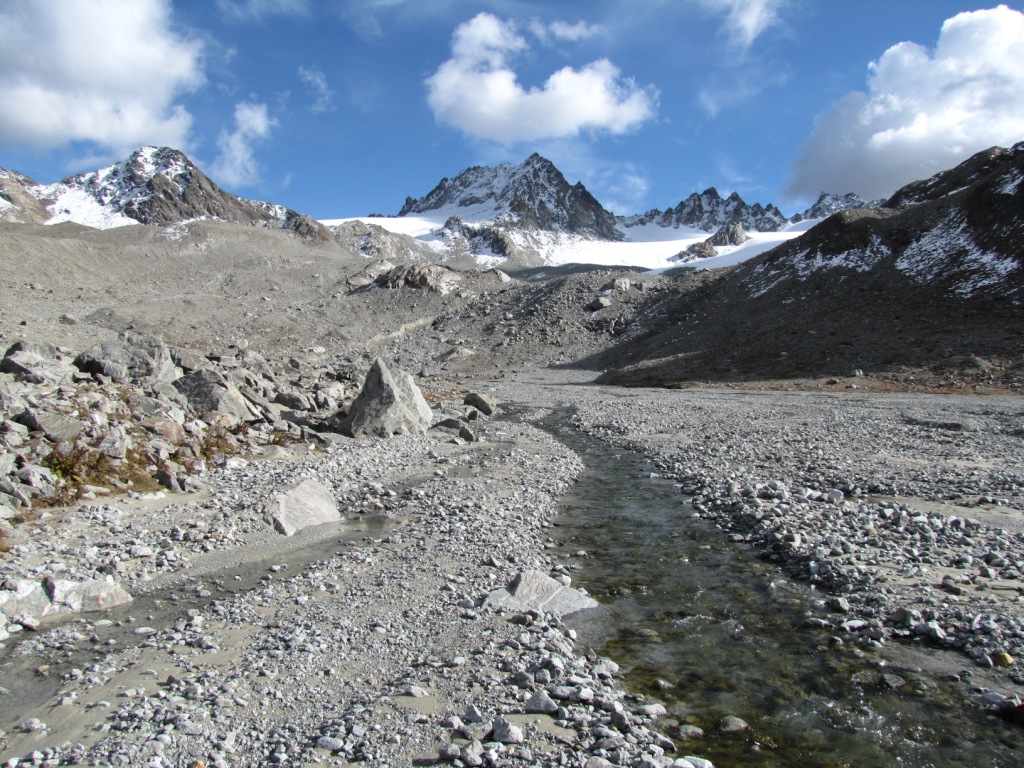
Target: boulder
{"points": [[57, 427], [36, 363], [86, 596], [387, 405], [129, 357], [535, 590], [601, 302], [486, 404], [24, 597], [208, 391], [302, 505]]}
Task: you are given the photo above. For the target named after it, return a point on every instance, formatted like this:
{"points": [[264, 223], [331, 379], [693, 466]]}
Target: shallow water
{"points": [[725, 630]]}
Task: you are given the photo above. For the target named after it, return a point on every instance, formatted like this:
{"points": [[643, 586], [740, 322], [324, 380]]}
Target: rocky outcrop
{"points": [[961, 232], [730, 234], [425, 276], [387, 405], [829, 204], [154, 185]]}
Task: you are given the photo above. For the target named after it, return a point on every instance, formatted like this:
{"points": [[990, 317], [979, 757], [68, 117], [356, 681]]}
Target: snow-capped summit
{"points": [[533, 195], [155, 185]]}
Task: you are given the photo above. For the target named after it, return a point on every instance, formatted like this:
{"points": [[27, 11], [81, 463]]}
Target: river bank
{"points": [[380, 651]]}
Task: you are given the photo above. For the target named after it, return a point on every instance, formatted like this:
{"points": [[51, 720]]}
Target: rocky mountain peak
{"points": [[160, 185], [971, 171], [154, 185], [533, 194], [829, 203]]}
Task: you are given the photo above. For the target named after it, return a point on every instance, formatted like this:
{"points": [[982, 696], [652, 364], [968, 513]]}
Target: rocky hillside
{"points": [[533, 195], [934, 278], [155, 185]]}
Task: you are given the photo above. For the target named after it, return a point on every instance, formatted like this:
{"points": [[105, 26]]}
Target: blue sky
{"points": [[342, 108]]}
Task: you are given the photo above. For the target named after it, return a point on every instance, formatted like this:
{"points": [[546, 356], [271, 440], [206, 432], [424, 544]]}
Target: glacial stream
{"points": [[705, 627]]}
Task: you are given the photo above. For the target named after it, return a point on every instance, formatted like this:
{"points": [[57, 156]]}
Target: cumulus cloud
{"points": [[924, 110], [106, 72], [316, 81], [236, 165], [478, 92], [746, 20]]}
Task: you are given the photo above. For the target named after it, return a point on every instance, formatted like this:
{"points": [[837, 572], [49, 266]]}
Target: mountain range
{"points": [[934, 273], [526, 212]]}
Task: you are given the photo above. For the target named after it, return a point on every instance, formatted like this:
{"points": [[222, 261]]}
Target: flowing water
{"points": [[688, 609]]}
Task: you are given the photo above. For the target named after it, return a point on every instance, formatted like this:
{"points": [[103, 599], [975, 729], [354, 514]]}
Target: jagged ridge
{"points": [[962, 228], [533, 195]]}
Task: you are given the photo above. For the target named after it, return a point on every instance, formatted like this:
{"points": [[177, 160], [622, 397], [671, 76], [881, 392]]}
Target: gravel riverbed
{"points": [[903, 511]]}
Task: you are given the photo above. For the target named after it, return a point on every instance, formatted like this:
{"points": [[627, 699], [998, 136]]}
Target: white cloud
{"points": [[563, 30], [236, 165], [924, 111], [255, 10], [477, 92], [746, 20], [107, 73], [323, 96]]}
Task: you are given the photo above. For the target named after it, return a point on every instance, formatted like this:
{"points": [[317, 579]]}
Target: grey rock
{"points": [[302, 505], [601, 302], [486, 404], [24, 596], [86, 596], [387, 405], [55, 426], [129, 357], [30, 366], [209, 392], [733, 724], [538, 591], [540, 703], [507, 733]]}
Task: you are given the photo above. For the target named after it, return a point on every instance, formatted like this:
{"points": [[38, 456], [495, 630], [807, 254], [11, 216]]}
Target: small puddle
{"points": [[702, 625]]}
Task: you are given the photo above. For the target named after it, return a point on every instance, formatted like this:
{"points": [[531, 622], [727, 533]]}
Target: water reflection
{"points": [[711, 631]]}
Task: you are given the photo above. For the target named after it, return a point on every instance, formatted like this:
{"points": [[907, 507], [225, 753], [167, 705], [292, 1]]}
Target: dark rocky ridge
{"points": [[933, 283], [710, 211]]}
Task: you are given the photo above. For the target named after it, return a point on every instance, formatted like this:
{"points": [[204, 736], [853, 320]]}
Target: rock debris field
{"points": [[389, 635]]}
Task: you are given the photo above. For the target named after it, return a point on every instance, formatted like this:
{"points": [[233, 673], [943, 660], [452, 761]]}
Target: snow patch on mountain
{"points": [[81, 207], [949, 250], [1012, 184]]}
